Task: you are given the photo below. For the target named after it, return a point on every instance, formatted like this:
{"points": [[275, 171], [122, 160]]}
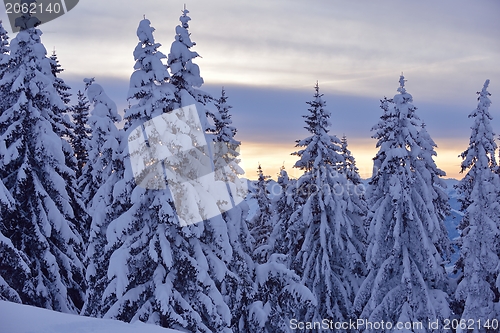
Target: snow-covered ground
{"points": [[17, 318]]}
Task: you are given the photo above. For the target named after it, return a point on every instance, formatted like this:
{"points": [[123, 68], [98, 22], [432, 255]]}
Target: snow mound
{"points": [[17, 318]]}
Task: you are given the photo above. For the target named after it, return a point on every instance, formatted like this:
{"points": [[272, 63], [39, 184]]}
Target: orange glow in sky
{"points": [[273, 156]]}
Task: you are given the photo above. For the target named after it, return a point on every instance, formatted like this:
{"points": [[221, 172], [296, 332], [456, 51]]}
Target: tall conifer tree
{"points": [[160, 271], [408, 243], [328, 246], [102, 176], [479, 262], [238, 286], [260, 226], [185, 73], [43, 223]]}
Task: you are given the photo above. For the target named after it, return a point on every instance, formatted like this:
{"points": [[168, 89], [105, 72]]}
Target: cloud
{"points": [[353, 48], [269, 54]]}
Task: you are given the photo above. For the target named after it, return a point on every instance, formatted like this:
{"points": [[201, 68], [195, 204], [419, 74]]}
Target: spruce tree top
{"points": [[349, 167], [104, 107], [147, 56], [261, 177], [482, 140], [397, 129], [223, 129], [480, 155], [185, 74], [30, 75], [61, 87], [149, 82], [320, 148], [283, 178]]}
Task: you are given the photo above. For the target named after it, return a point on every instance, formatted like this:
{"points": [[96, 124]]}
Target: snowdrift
{"points": [[17, 318]]}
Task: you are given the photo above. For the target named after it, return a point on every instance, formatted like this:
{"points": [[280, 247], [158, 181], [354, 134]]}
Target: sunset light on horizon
{"points": [[273, 156]]}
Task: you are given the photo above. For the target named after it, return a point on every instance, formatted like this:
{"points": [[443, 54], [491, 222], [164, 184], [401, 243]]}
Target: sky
{"points": [[268, 55]]}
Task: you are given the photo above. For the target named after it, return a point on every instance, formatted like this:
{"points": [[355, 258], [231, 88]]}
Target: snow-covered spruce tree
{"points": [[279, 240], [348, 166], [186, 80], [159, 271], [227, 148], [103, 177], [61, 86], [98, 177], [260, 224], [482, 138], [478, 287], [103, 143], [42, 223], [224, 130], [64, 127], [238, 286], [355, 186], [406, 279], [13, 265], [259, 307], [185, 74], [433, 175], [327, 245], [283, 178], [280, 293], [81, 133], [62, 124]]}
